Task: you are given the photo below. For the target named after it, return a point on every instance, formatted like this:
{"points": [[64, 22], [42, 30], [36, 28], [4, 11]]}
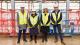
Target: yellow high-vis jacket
{"points": [[33, 21], [56, 17], [45, 19], [22, 18]]}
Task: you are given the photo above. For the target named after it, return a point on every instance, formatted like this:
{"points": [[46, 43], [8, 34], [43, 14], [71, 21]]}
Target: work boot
{"points": [[18, 42], [25, 40], [63, 43], [35, 41], [42, 40]]}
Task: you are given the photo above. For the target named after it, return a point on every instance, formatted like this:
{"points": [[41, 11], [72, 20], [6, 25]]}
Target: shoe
{"points": [[25, 40], [46, 40], [35, 41], [18, 42], [42, 41], [30, 40], [55, 41], [63, 43]]}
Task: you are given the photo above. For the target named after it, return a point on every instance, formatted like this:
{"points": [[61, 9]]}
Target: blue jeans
{"points": [[24, 34], [58, 31]]}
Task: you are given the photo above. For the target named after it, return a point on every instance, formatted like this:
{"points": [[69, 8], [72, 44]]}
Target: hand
{"points": [[34, 26], [55, 23], [18, 25], [43, 24]]}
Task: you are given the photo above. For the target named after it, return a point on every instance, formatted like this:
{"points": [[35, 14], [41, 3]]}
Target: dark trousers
{"points": [[44, 31], [35, 38], [24, 34], [33, 33], [58, 31]]}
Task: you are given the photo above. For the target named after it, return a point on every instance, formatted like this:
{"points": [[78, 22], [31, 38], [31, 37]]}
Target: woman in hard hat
{"points": [[33, 23], [45, 23]]}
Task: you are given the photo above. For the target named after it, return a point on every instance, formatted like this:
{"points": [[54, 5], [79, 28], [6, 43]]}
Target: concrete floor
{"points": [[75, 40]]}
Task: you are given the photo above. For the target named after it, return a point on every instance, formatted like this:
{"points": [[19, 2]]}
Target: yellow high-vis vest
{"points": [[45, 19], [55, 19], [33, 20], [22, 18]]}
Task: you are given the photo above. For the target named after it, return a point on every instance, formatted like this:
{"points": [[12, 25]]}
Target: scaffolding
{"points": [[10, 25]]}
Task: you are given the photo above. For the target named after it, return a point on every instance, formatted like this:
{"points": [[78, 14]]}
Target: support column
{"points": [[13, 4], [67, 7], [40, 6], [13, 20]]}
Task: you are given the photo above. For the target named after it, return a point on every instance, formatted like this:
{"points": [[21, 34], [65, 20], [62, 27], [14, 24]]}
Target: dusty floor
{"points": [[75, 40]]}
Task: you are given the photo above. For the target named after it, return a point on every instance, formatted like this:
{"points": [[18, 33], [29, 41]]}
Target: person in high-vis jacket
{"points": [[56, 17], [22, 24], [33, 23], [45, 23]]}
